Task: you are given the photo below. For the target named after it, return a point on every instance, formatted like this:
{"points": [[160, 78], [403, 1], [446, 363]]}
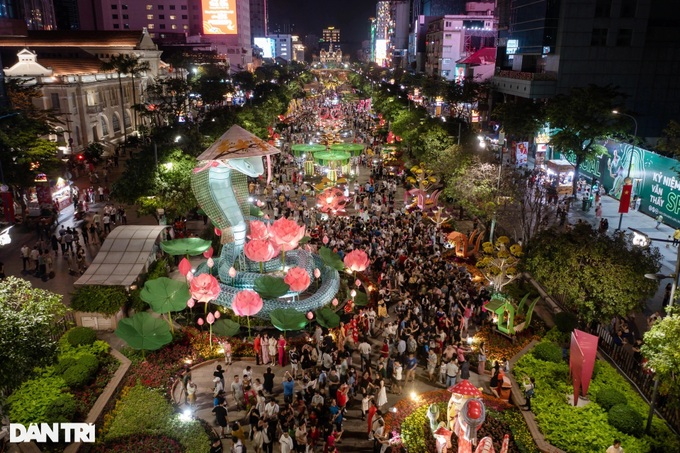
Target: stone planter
{"points": [[98, 321]]}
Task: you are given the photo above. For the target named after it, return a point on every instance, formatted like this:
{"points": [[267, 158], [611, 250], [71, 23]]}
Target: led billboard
{"points": [[380, 51], [219, 17], [267, 46]]}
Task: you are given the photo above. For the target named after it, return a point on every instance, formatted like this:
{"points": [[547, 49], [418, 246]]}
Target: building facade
{"points": [[258, 18], [85, 99], [330, 36], [547, 48], [453, 38]]}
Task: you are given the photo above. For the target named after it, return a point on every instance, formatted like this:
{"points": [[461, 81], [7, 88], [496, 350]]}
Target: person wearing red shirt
{"points": [[385, 349], [341, 396], [257, 345], [371, 413]]}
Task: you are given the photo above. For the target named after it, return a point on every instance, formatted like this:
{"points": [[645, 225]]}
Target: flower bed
{"points": [[142, 411], [86, 397], [411, 423], [587, 429], [136, 444], [500, 347]]}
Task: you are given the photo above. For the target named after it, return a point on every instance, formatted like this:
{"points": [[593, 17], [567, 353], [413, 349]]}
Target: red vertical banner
{"points": [[8, 206], [624, 202]]}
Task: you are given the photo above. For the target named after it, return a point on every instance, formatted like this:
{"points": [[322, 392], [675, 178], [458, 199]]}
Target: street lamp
{"points": [[630, 161]]}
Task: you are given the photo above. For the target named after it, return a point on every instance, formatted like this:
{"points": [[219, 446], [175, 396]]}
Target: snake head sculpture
{"points": [[249, 166]]}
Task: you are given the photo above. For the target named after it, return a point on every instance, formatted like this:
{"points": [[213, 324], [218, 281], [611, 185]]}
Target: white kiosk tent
{"points": [[125, 254]]}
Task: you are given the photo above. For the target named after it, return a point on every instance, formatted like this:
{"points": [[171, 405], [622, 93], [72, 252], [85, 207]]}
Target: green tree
{"points": [[28, 325], [581, 118], [661, 348], [23, 149], [598, 276], [213, 83], [520, 120], [669, 142], [167, 100]]}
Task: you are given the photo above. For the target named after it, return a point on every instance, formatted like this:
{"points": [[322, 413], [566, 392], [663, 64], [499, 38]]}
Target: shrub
{"points": [[76, 376], [90, 362], [626, 419], [106, 300], [548, 352], [158, 268], [136, 303], [64, 364], [29, 402], [565, 321], [79, 336], [61, 410], [610, 397]]}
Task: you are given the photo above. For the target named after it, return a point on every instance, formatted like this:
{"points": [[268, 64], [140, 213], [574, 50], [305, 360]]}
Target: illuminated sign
{"points": [[267, 46], [380, 51], [513, 45], [219, 17]]}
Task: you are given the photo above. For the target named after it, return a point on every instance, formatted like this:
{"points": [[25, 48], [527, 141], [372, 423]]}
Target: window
{"points": [[183, 7], [448, 24], [160, 7], [116, 26], [149, 7], [116, 123], [625, 37], [628, 8], [161, 16], [172, 7], [114, 16], [105, 127], [55, 101], [126, 119], [161, 26], [173, 26], [599, 37], [150, 26], [186, 27], [447, 35], [126, 26], [114, 6], [125, 16], [173, 17], [149, 16], [185, 17], [603, 8], [123, 6]]}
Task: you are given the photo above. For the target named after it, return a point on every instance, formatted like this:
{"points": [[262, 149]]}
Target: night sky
{"points": [[312, 16]]}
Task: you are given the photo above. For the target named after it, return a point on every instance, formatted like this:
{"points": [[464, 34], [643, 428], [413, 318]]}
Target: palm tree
{"points": [[125, 64]]}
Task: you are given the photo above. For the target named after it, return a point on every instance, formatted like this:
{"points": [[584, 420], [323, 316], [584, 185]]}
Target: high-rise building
{"points": [[283, 46], [66, 14], [331, 36], [391, 32], [258, 18], [224, 25], [298, 49], [452, 38], [35, 15], [546, 48]]}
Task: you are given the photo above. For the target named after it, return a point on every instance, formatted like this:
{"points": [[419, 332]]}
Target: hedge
{"points": [[626, 419], [548, 352], [106, 300], [609, 397], [81, 336]]}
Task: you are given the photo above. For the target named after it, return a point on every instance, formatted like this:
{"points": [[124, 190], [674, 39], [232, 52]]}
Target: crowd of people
{"points": [[423, 309]]}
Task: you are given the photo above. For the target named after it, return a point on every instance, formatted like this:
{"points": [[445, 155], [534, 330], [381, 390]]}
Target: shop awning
{"points": [[559, 165], [124, 255]]}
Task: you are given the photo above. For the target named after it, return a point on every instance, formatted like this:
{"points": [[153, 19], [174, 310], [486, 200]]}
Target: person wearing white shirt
{"points": [[286, 442], [615, 447]]}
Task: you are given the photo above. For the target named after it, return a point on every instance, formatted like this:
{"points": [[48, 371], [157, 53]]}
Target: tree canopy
{"points": [[661, 348], [598, 276], [581, 118], [28, 325]]}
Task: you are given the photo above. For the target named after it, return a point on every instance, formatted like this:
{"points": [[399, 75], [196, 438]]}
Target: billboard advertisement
{"points": [[655, 178], [219, 17], [267, 46], [380, 51]]}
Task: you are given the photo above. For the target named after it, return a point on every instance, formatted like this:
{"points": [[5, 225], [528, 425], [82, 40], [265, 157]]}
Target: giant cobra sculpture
{"points": [[220, 184]]}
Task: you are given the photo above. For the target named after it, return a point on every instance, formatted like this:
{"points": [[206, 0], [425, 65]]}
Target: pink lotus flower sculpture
{"points": [[258, 230], [297, 278], [208, 253], [260, 250], [184, 267], [356, 261], [331, 201], [247, 303], [286, 234], [204, 288]]}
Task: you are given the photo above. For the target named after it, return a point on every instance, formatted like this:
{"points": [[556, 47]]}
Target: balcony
{"points": [[530, 85], [92, 109]]}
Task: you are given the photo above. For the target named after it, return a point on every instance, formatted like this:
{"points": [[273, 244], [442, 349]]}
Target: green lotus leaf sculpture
{"points": [[144, 331], [332, 259], [288, 319], [327, 318], [269, 287], [226, 328], [185, 246]]}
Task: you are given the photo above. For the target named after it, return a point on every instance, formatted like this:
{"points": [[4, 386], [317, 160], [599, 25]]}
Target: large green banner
{"points": [[656, 179]]}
